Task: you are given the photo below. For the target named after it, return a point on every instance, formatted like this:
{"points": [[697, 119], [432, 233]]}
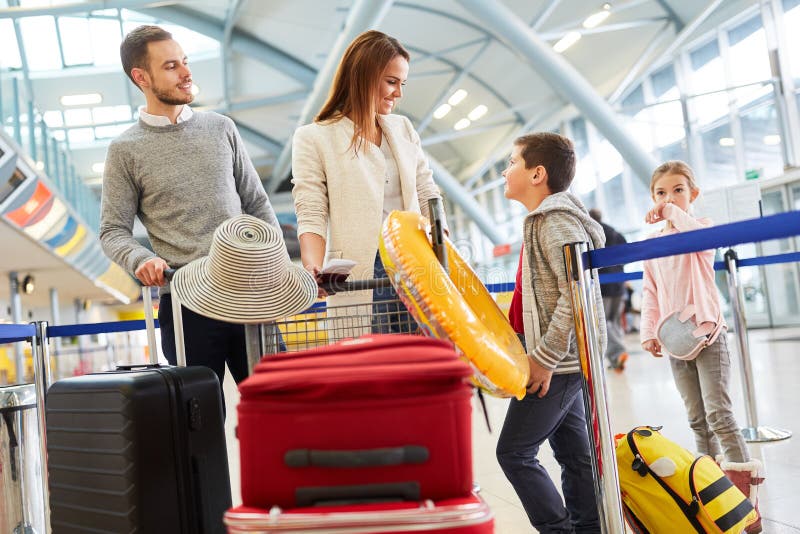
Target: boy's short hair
{"points": [[133, 50], [552, 151]]}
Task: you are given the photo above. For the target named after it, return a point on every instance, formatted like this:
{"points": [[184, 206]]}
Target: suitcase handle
{"points": [[409, 454], [357, 494]]}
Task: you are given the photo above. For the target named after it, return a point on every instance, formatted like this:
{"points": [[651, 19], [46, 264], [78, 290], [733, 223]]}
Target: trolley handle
{"points": [[355, 285]]}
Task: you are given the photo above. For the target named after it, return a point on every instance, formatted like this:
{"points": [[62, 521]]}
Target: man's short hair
{"points": [[552, 151], [133, 50]]}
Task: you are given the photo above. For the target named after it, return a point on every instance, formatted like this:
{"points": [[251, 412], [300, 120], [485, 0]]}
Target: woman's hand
{"points": [[656, 213], [314, 270], [653, 347]]}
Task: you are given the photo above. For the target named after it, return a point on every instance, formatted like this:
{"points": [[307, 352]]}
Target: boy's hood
{"points": [[566, 201]]}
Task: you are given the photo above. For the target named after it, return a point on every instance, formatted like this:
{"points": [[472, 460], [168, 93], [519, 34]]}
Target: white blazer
{"points": [[339, 195]]}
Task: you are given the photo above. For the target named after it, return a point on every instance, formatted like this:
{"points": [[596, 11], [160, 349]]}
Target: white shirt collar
{"points": [[161, 120]]}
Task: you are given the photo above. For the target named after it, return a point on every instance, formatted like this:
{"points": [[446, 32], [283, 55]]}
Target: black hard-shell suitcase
{"points": [[141, 449]]}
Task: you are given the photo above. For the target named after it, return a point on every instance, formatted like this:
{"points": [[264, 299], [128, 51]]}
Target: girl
{"points": [[670, 285]]}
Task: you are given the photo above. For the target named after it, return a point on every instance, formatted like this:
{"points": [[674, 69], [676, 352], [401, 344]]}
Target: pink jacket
{"points": [[673, 282]]}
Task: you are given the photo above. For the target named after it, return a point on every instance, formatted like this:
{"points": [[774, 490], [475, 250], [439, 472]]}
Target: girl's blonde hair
{"points": [[674, 167], [356, 83]]}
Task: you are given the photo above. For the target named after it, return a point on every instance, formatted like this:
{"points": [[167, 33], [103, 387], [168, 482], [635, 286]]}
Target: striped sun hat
{"points": [[247, 276]]}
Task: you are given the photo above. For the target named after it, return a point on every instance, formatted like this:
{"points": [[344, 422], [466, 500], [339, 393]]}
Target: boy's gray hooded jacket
{"points": [[546, 299]]}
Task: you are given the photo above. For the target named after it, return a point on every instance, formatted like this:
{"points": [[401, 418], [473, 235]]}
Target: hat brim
{"points": [[244, 305]]}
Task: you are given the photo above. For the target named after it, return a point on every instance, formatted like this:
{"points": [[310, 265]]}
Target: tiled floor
{"points": [[645, 394]]}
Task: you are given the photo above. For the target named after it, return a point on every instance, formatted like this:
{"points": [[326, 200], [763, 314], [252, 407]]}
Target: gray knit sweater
{"points": [[183, 181], [546, 298]]}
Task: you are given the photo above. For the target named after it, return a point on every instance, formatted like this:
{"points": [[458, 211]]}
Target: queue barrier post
{"points": [[604, 462], [41, 379], [753, 432]]}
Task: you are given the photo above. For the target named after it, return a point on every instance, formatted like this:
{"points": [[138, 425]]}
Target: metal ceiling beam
{"points": [[661, 35], [455, 81], [449, 135], [543, 14], [23, 58], [455, 192], [603, 28], [679, 22], [240, 41], [231, 18], [258, 138], [440, 53], [363, 15], [563, 78], [77, 7]]}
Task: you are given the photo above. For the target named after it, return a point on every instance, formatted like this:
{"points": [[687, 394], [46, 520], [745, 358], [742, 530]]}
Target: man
{"points": [[613, 300], [183, 173]]}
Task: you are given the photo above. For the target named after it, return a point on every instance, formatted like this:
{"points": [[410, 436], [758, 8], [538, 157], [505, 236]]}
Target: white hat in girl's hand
{"points": [[247, 276]]}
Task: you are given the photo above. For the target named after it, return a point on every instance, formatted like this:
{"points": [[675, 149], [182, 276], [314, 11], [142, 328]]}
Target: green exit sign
{"points": [[752, 174]]}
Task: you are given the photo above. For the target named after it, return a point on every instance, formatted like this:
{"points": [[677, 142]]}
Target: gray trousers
{"points": [[703, 383], [613, 310]]}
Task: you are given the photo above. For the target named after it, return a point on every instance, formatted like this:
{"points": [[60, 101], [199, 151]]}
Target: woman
{"points": [[356, 163]]}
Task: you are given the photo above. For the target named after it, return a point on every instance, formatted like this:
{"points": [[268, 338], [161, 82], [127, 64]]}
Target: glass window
{"points": [[614, 196], [667, 127], [634, 102], [75, 40], [791, 24], [708, 109], [41, 43], [585, 180], [53, 119], [707, 69], [749, 60], [107, 132], [193, 43], [106, 114], [663, 81], [580, 137], [720, 158], [106, 38], [762, 140], [81, 135], [77, 117], [9, 59]]}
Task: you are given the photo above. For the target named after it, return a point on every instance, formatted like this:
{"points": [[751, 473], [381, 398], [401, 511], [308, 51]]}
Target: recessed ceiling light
{"points": [[461, 124], [441, 111], [772, 139], [595, 19], [568, 40], [81, 100], [726, 141], [478, 112], [40, 165], [99, 167], [457, 97]]}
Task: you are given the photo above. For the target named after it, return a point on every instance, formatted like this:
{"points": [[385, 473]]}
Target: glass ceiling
{"points": [[54, 43]]}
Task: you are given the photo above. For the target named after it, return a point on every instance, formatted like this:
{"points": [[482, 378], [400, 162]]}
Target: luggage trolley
{"points": [[321, 325]]}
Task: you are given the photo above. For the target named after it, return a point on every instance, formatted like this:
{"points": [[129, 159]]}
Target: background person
{"points": [[613, 300], [355, 164], [182, 173]]}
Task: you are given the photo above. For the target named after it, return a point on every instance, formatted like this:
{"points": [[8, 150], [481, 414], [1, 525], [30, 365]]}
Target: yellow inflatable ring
{"points": [[456, 307]]}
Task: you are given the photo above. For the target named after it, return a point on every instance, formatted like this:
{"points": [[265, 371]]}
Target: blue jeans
{"points": [[558, 418], [389, 315]]}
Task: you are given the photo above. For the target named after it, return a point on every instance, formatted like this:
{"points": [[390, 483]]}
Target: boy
{"points": [[541, 168]]}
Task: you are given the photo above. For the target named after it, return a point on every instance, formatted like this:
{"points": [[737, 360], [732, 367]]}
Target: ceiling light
{"points": [[195, 90], [441, 111], [457, 97], [726, 141], [595, 19], [81, 100], [478, 112], [462, 123], [40, 165], [772, 139], [565, 42], [28, 284], [99, 167]]}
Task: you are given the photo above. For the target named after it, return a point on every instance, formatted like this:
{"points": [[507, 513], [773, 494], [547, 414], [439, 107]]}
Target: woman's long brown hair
{"points": [[356, 81]]}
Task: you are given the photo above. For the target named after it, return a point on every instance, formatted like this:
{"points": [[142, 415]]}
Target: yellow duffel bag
{"points": [[666, 489]]}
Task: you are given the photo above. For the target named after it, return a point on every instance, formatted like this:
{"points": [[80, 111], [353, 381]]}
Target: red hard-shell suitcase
{"points": [[466, 515], [379, 417]]}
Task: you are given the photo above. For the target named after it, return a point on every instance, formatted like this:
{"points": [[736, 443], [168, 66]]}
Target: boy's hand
{"points": [[653, 347], [539, 382], [655, 215]]}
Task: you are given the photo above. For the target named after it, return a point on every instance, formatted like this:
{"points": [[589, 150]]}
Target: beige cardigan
{"points": [[340, 196]]}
